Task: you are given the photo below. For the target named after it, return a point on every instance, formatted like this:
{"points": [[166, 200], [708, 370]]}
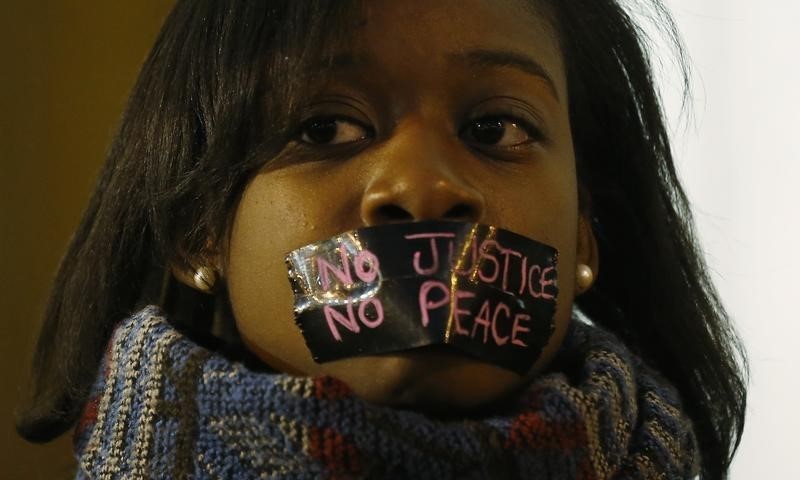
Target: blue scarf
{"points": [[164, 407]]}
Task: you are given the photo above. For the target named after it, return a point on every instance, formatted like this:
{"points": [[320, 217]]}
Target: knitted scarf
{"points": [[164, 407]]}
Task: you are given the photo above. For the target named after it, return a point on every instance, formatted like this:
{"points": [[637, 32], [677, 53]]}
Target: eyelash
{"points": [[535, 134], [306, 125]]}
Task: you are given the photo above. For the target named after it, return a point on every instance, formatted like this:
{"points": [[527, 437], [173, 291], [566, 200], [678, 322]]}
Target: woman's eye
{"points": [[332, 131], [499, 132]]}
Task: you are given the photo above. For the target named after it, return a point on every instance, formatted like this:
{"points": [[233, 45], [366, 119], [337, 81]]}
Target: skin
{"points": [[405, 148]]}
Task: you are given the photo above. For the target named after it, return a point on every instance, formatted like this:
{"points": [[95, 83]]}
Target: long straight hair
{"points": [[216, 98], [654, 290]]}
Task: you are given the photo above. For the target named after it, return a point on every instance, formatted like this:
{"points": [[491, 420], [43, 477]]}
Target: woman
{"points": [[257, 128]]}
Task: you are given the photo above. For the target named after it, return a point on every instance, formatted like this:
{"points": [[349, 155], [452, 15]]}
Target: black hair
{"points": [[654, 290], [215, 100]]}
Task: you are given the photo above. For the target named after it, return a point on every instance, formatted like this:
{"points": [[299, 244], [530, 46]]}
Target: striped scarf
{"points": [[164, 407]]}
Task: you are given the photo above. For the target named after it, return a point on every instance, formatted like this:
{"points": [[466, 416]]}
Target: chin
{"points": [[426, 379]]}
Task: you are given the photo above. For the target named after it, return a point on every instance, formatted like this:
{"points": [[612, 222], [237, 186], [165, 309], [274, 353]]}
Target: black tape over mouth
{"points": [[487, 292]]}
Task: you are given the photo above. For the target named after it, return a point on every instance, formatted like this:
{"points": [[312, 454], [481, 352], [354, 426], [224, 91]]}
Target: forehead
{"points": [[490, 19], [416, 36]]}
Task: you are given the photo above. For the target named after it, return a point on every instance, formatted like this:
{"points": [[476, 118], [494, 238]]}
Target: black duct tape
{"points": [[484, 291]]}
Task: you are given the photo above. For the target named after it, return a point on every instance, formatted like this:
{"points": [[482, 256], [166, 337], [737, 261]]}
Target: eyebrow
{"points": [[506, 58], [479, 58]]}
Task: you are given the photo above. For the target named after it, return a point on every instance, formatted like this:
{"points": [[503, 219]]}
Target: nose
{"points": [[418, 177]]}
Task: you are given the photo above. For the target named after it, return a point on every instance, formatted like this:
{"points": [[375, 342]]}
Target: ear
{"points": [[587, 252]]}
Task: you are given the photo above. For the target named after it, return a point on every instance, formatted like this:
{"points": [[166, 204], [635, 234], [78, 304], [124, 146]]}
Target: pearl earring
{"points": [[584, 277], [204, 279]]}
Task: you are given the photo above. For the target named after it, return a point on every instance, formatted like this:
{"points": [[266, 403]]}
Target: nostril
{"points": [[459, 212], [394, 213]]}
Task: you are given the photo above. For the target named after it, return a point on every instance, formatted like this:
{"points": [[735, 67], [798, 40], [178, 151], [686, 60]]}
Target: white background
{"points": [[737, 146]]}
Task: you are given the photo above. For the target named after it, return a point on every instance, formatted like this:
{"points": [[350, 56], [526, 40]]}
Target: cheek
{"points": [[543, 205], [256, 276]]}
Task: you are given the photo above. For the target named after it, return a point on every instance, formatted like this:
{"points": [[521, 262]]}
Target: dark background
{"points": [[67, 68]]}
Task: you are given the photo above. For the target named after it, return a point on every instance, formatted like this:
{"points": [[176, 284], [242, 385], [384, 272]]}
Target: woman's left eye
{"points": [[500, 131], [332, 131]]}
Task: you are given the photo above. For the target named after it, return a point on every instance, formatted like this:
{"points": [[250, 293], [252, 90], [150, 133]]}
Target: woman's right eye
{"points": [[333, 131]]}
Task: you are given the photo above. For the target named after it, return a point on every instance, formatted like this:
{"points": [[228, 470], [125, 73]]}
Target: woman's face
{"points": [[438, 110]]}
